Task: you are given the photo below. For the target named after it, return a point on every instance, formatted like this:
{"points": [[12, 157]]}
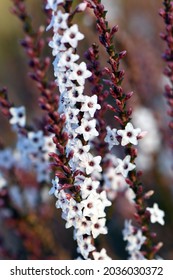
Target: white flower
{"points": [[56, 45], [90, 105], [101, 256], [63, 80], [113, 180], [98, 226], [74, 209], [156, 214], [129, 135], [128, 229], [82, 226], [135, 241], [93, 206], [48, 146], [85, 246], [70, 221], [72, 36], [87, 129], [67, 58], [71, 115], [52, 4], [62, 201], [88, 186], [18, 116], [65, 102], [36, 139], [103, 197], [55, 186], [79, 73], [90, 163], [76, 94], [81, 149], [77, 147], [60, 21], [111, 137], [124, 166]]}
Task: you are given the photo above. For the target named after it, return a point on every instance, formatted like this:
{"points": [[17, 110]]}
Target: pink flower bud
{"points": [[142, 134], [162, 13]]}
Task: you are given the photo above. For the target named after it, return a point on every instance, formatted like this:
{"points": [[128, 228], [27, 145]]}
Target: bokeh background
{"points": [[38, 232]]}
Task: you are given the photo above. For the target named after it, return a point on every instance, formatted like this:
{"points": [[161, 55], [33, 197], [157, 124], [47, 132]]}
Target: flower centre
{"points": [[79, 72], [90, 104], [125, 166], [87, 128], [89, 188], [72, 35], [68, 58], [20, 115], [90, 205], [129, 134]]}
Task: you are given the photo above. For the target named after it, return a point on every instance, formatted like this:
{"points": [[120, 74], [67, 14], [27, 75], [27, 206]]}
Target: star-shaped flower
{"points": [[93, 206], [36, 140], [128, 229], [56, 45], [129, 135], [83, 226], [18, 116], [156, 214], [55, 186], [124, 166], [71, 115], [68, 58], [62, 201], [98, 226], [72, 36], [87, 187], [85, 246], [90, 163], [90, 105], [76, 93], [135, 241], [60, 21], [74, 209], [87, 129], [79, 73], [52, 4], [102, 255], [111, 137]]}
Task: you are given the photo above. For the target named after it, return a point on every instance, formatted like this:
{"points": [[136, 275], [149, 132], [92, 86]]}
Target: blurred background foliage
{"points": [[139, 28]]}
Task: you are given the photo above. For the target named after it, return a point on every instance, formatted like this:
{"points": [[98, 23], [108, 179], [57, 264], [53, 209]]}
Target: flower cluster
{"points": [[82, 197], [87, 212], [32, 148], [135, 239]]}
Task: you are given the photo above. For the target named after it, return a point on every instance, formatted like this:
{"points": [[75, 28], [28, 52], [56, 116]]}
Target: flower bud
{"points": [[81, 7]]}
